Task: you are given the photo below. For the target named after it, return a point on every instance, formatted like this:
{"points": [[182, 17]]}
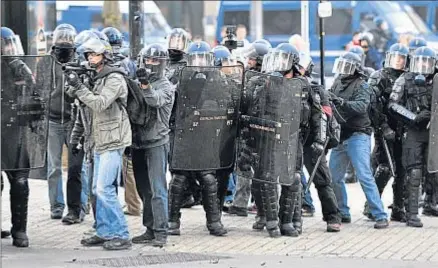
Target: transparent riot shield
{"points": [[26, 83], [269, 127], [206, 118]]}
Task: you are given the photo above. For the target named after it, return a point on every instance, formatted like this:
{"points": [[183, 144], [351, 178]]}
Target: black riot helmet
{"points": [[347, 64], [64, 42], [115, 38], [10, 43], [178, 40], [254, 53], [284, 58], [154, 59], [359, 51], [416, 43], [423, 61], [396, 57]]}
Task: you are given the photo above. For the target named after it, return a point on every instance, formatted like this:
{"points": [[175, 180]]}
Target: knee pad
{"points": [[19, 187], [296, 182], [209, 182], [415, 176]]}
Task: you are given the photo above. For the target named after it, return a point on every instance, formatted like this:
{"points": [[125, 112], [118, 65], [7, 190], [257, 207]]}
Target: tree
{"points": [[111, 14]]}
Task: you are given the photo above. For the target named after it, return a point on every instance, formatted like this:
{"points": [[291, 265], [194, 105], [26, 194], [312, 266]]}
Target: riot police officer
{"points": [[388, 132], [416, 43], [410, 102], [198, 55], [360, 51], [13, 72], [352, 99], [320, 118], [115, 39]]}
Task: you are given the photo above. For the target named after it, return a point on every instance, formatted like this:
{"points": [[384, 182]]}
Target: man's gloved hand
{"points": [[73, 80], [388, 133], [336, 100], [317, 150], [75, 149], [87, 81], [422, 119], [142, 76]]}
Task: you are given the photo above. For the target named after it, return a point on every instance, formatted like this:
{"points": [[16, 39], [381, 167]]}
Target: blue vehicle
{"points": [[428, 11], [281, 19], [84, 15]]}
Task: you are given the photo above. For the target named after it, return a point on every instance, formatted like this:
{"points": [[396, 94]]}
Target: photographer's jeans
{"points": [[356, 149], [110, 220]]}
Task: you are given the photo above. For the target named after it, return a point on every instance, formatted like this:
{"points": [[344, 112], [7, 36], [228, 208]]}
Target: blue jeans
{"points": [[307, 200], [356, 149], [231, 188], [85, 194], [110, 220], [150, 167]]}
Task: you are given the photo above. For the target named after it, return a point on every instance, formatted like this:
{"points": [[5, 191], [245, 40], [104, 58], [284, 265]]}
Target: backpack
{"points": [[136, 106]]}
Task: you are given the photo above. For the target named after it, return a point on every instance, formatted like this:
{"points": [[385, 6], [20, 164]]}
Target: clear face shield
{"points": [[178, 42], [203, 59], [344, 67], [422, 65], [64, 36], [230, 66], [11, 46], [395, 60], [277, 61]]}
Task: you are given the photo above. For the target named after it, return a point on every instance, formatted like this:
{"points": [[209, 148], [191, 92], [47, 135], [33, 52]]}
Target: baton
{"points": [[312, 176], [388, 155]]}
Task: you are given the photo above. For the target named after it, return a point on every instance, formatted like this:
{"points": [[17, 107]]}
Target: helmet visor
{"points": [[178, 42], [395, 60], [200, 59], [11, 46], [64, 37], [277, 61], [422, 65], [344, 66]]}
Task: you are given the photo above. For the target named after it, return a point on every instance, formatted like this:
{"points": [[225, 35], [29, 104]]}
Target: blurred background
{"points": [[275, 21]]}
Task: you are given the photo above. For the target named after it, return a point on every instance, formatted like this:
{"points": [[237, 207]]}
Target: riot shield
{"points": [[432, 159], [206, 118], [269, 129], [26, 83]]}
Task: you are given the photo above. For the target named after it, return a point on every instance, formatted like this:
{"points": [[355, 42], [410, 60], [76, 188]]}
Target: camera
{"points": [[231, 39]]}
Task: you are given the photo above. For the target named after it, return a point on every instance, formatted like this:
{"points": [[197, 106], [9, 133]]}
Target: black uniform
{"points": [[389, 129], [417, 99]]}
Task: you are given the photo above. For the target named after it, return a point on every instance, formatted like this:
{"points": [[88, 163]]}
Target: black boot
{"points": [[398, 214], [414, 180], [260, 222], [211, 205], [176, 196], [286, 212], [270, 207], [5, 234], [19, 201]]}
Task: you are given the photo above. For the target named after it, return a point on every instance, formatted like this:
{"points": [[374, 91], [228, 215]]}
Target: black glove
{"points": [[388, 133], [142, 76], [75, 149], [422, 119], [87, 81], [317, 150], [336, 100], [73, 80]]}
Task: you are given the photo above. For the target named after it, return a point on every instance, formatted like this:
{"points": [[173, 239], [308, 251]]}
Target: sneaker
{"points": [[174, 228], [333, 227], [159, 241], [307, 212], [117, 244], [242, 212], [130, 213], [56, 214], [381, 224], [93, 241], [71, 218], [145, 238], [252, 209]]}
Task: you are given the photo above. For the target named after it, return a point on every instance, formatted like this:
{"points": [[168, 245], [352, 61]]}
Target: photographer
{"points": [[111, 131], [151, 145]]}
